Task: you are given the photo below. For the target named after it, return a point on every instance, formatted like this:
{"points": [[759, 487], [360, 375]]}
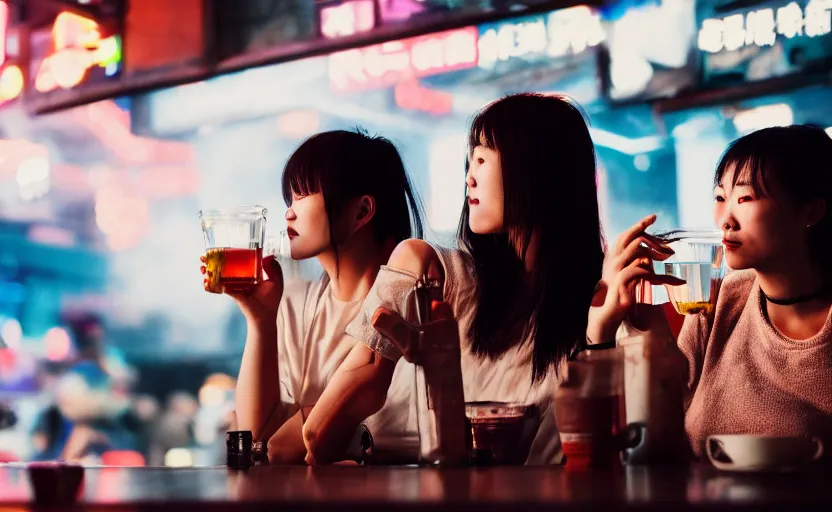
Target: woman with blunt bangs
{"points": [[760, 364], [350, 202]]}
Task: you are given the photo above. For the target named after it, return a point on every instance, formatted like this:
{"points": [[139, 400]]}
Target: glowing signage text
{"points": [[560, 33], [762, 26], [385, 64], [348, 18]]}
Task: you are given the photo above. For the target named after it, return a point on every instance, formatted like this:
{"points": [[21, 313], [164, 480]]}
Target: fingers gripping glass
{"points": [[698, 259], [234, 240]]}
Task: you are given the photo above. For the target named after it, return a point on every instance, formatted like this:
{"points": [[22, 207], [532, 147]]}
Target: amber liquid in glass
{"points": [[233, 269], [693, 308], [698, 294]]}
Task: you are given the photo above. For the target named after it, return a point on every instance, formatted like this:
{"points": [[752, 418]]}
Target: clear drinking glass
{"points": [[279, 247], [699, 259], [501, 433], [234, 240]]}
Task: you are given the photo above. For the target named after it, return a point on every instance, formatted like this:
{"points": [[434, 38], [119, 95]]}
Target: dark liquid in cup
{"points": [[588, 427], [497, 439], [233, 269]]}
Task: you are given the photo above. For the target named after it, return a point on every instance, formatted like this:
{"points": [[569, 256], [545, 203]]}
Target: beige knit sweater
{"points": [[747, 378]]}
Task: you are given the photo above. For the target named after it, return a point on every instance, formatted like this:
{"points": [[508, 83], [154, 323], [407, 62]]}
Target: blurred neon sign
{"points": [[4, 27], [11, 83], [761, 27], [412, 96], [400, 10], [11, 76], [348, 18], [78, 46], [558, 34], [385, 64]]}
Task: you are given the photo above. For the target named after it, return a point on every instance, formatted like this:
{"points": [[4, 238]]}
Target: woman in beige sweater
{"points": [[762, 363]]}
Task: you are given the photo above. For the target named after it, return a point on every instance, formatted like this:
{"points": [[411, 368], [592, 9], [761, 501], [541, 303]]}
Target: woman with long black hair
{"points": [[517, 290]]}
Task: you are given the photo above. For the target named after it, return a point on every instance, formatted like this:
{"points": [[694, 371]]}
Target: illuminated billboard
{"points": [[71, 52], [773, 39]]}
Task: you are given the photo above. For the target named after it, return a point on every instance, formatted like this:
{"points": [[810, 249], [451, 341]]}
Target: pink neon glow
{"points": [[412, 96], [51, 235], [112, 126], [383, 65], [58, 344], [4, 26], [399, 10]]}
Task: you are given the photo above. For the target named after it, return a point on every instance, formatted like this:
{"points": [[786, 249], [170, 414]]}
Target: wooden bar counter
{"points": [[400, 489]]}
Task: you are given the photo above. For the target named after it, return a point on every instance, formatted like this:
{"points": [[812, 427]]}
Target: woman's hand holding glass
{"points": [[627, 266], [260, 302]]}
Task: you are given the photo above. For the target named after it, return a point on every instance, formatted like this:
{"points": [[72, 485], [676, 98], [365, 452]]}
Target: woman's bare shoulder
{"points": [[416, 257], [413, 254]]}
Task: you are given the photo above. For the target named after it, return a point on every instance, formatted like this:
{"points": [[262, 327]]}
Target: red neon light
{"points": [[412, 96], [4, 28], [348, 18], [385, 64]]}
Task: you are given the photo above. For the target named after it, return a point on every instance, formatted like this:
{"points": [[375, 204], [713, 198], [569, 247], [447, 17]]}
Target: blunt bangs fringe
{"points": [[751, 164], [343, 165]]}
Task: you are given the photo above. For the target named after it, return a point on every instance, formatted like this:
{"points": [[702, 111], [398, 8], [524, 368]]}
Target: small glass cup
{"points": [[698, 259], [501, 433], [234, 239]]}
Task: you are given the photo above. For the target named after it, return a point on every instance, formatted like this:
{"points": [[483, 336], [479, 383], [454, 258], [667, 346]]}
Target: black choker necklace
{"points": [[796, 300]]}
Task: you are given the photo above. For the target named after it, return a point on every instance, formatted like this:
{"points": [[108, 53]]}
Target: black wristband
{"points": [[586, 344], [600, 346]]}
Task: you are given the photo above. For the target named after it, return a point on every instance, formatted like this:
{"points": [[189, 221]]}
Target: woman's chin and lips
{"points": [[303, 247], [742, 255], [295, 244], [480, 220], [735, 256]]}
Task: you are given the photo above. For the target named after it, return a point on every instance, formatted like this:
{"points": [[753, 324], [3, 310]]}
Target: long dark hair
{"points": [[343, 165], [799, 159], [549, 184]]}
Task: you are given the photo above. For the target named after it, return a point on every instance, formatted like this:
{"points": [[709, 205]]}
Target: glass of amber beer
{"points": [[234, 240], [699, 259]]}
